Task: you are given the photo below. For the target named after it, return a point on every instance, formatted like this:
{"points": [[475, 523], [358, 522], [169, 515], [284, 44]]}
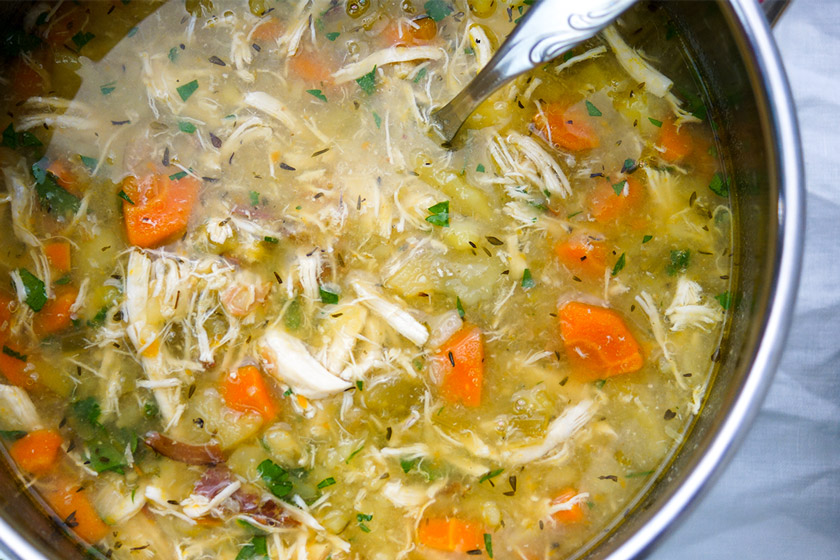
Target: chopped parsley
{"points": [[333, 36], [629, 166], [439, 214], [679, 261], [646, 238], [187, 127], [479, 168], [459, 307], [293, 317], [377, 119], [329, 294], [437, 9], [655, 122], [488, 544], [82, 38], [13, 435], [178, 176], [254, 550], [719, 185], [724, 299], [173, 54], [317, 93], [269, 239], [638, 474], [592, 109], [618, 188], [16, 355], [186, 90], [34, 288], [420, 75], [368, 82], [125, 197], [88, 162], [619, 264], [254, 197], [362, 518], [14, 140], [490, 475], [326, 482], [275, 477], [52, 197], [356, 452], [106, 89], [360, 385], [528, 280]]}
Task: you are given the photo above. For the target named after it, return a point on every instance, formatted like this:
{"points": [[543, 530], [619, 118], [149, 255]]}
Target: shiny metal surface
{"points": [[548, 29], [731, 45]]}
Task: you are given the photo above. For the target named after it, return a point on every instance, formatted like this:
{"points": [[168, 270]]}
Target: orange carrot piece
{"points": [[7, 306], [419, 31], [37, 452], [598, 341], [268, 31], [72, 505], [609, 206], [58, 255], [55, 315], [462, 360], [161, 208], [583, 255], [574, 514], [17, 371], [450, 534], [65, 176], [676, 144], [25, 81], [245, 390], [310, 67], [567, 128]]}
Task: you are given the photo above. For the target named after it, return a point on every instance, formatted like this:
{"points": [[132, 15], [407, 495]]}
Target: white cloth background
{"points": [[779, 498]]}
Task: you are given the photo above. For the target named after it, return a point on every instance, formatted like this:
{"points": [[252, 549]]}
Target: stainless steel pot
{"points": [[734, 54]]}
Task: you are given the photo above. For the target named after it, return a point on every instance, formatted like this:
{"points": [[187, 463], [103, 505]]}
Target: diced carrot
{"points": [[58, 255], [25, 81], [65, 23], [598, 341], [462, 360], [568, 128], [37, 452], [64, 176], [401, 33], [310, 67], [244, 390], [584, 256], [161, 208], [607, 205], [268, 31], [16, 370], [450, 534], [71, 504], [676, 144], [572, 515], [8, 304], [55, 316]]}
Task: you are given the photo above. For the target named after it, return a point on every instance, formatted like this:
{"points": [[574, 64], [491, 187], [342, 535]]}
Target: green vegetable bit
{"points": [[329, 294], [125, 197], [439, 214], [14, 140], [275, 477], [719, 185], [186, 90], [618, 188], [82, 38], [326, 482], [187, 127], [317, 93], [490, 475], [592, 109], [437, 9], [459, 307], [361, 518], [254, 550], [646, 238], [254, 197], [488, 544], [377, 119], [528, 281], [619, 265], [34, 288], [724, 299], [368, 82], [333, 36], [52, 197], [680, 260], [655, 122]]}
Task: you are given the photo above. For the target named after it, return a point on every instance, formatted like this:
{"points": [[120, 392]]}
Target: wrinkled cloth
{"points": [[779, 498]]}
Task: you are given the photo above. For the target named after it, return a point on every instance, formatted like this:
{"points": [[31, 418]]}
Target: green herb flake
{"points": [[317, 93], [488, 544], [638, 474], [356, 452], [679, 261], [600, 383], [151, 410], [254, 197], [108, 88], [34, 288], [377, 119], [719, 185], [420, 75], [12, 435], [14, 140], [490, 475], [655, 122], [724, 299], [88, 162], [82, 38], [98, 319], [437, 9], [16, 355], [293, 317], [619, 264], [592, 109], [361, 518], [528, 281], [187, 127], [329, 294], [326, 482], [178, 176], [333, 36], [186, 90], [439, 214], [459, 307], [52, 197], [132, 32], [63, 281], [275, 477], [646, 238], [468, 50], [254, 550], [173, 54], [480, 168], [269, 239], [573, 214], [618, 188], [87, 410], [368, 82], [408, 464], [360, 385]]}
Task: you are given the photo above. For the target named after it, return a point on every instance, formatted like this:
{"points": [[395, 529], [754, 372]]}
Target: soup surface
{"points": [[255, 310]]}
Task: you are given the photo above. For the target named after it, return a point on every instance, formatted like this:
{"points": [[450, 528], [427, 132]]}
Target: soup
{"points": [[256, 310]]}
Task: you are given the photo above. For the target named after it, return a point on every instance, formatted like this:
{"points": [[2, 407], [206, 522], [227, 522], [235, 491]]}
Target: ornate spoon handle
{"points": [[549, 28]]}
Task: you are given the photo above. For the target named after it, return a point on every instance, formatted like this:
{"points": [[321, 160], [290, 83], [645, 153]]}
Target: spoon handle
{"points": [[549, 28]]}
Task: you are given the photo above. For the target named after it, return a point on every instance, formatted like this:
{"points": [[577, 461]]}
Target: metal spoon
{"points": [[549, 28]]}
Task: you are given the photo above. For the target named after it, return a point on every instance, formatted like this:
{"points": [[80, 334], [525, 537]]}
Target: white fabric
{"points": [[780, 496]]}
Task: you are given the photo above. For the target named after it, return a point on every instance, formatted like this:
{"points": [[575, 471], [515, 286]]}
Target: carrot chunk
{"points": [[244, 390], [568, 128], [65, 176], [25, 80], [462, 360], [161, 208], [15, 368], [676, 144], [72, 505], [268, 31], [583, 255], [58, 255], [310, 67], [573, 514], [56, 315], [400, 33], [450, 534], [7, 306], [37, 452], [612, 201], [598, 341]]}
